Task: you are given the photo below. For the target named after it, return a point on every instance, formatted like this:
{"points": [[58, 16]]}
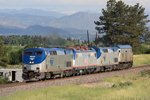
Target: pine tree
{"points": [[122, 23]]}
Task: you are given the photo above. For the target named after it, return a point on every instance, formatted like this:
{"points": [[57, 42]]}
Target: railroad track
{"points": [[32, 82], [7, 89]]}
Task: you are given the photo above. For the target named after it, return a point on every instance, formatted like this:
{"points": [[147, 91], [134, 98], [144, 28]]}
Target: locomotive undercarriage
{"points": [[31, 75]]}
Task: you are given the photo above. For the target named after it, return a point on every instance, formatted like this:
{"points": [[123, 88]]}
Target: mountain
{"points": [[45, 31], [41, 22], [27, 17], [80, 20]]}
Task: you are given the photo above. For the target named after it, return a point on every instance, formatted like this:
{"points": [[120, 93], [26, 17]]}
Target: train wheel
{"points": [[48, 75], [62, 75]]}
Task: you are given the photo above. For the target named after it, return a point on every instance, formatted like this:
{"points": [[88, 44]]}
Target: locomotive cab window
{"points": [[38, 53], [28, 53]]}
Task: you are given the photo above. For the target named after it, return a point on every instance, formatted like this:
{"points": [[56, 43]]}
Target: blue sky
{"points": [[65, 6]]}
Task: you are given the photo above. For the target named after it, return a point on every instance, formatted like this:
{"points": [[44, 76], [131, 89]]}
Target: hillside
{"points": [[26, 21]]}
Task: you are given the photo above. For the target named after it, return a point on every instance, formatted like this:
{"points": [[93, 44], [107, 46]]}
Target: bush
{"points": [[15, 57], [122, 84], [145, 73], [143, 49], [3, 80], [3, 64]]}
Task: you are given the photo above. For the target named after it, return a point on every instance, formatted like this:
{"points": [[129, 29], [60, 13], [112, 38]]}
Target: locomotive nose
{"points": [[33, 56]]}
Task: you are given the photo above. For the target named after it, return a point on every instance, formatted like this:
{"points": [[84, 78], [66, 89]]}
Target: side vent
{"points": [[68, 64], [115, 59]]}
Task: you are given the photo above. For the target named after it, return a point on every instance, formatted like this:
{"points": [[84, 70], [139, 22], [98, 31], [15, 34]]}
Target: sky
{"points": [[65, 6]]}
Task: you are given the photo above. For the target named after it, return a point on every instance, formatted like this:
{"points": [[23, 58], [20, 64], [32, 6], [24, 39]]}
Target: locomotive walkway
{"points": [[91, 78]]}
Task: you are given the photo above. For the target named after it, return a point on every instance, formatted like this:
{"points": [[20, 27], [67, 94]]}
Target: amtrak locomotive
{"points": [[46, 63]]}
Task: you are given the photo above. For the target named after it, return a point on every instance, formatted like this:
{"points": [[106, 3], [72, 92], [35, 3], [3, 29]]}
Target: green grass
{"points": [[138, 89], [141, 59]]}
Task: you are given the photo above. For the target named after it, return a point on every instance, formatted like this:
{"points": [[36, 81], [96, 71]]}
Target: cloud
{"points": [[65, 2], [51, 2], [65, 5]]}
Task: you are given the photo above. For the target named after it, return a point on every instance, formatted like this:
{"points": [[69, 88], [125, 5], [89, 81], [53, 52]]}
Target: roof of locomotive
{"points": [[47, 49], [80, 49], [124, 46]]}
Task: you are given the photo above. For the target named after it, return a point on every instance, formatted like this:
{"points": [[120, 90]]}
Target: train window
{"points": [[105, 50], [28, 53], [39, 53]]}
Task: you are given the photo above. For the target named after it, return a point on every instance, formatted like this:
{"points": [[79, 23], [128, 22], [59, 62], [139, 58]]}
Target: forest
{"points": [[11, 47]]}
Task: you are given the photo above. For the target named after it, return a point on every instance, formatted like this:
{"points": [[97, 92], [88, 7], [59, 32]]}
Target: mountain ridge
{"points": [[41, 22]]}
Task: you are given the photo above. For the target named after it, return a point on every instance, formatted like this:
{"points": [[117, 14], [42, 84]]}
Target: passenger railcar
{"points": [[45, 63]]}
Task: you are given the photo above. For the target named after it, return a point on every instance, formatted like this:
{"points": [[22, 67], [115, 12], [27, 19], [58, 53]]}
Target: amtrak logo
{"points": [[32, 57]]}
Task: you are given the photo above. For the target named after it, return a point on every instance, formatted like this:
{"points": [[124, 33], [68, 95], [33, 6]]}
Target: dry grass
{"points": [[131, 87], [143, 59]]}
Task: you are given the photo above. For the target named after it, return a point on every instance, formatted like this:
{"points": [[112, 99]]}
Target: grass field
{"points": [[141, 59], [131, 87]]}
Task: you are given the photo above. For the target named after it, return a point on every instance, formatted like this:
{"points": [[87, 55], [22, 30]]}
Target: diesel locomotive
{"points": [[46, 63]]}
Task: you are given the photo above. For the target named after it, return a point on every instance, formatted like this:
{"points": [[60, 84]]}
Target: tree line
{"points": [[34, 41], [11, 47]]}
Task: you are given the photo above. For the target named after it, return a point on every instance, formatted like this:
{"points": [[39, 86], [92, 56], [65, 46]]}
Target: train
{"points": [[47, 63]]}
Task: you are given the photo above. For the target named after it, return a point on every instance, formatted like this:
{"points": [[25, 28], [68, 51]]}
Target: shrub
{"points": [[143, 49], [3, 80], [122, 84], [145, 73], [3, 64], [15, 57]]}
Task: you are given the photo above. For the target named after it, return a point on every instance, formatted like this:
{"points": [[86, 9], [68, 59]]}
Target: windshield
{"points": [[28, 53], [36, 53], [33, 56]]}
